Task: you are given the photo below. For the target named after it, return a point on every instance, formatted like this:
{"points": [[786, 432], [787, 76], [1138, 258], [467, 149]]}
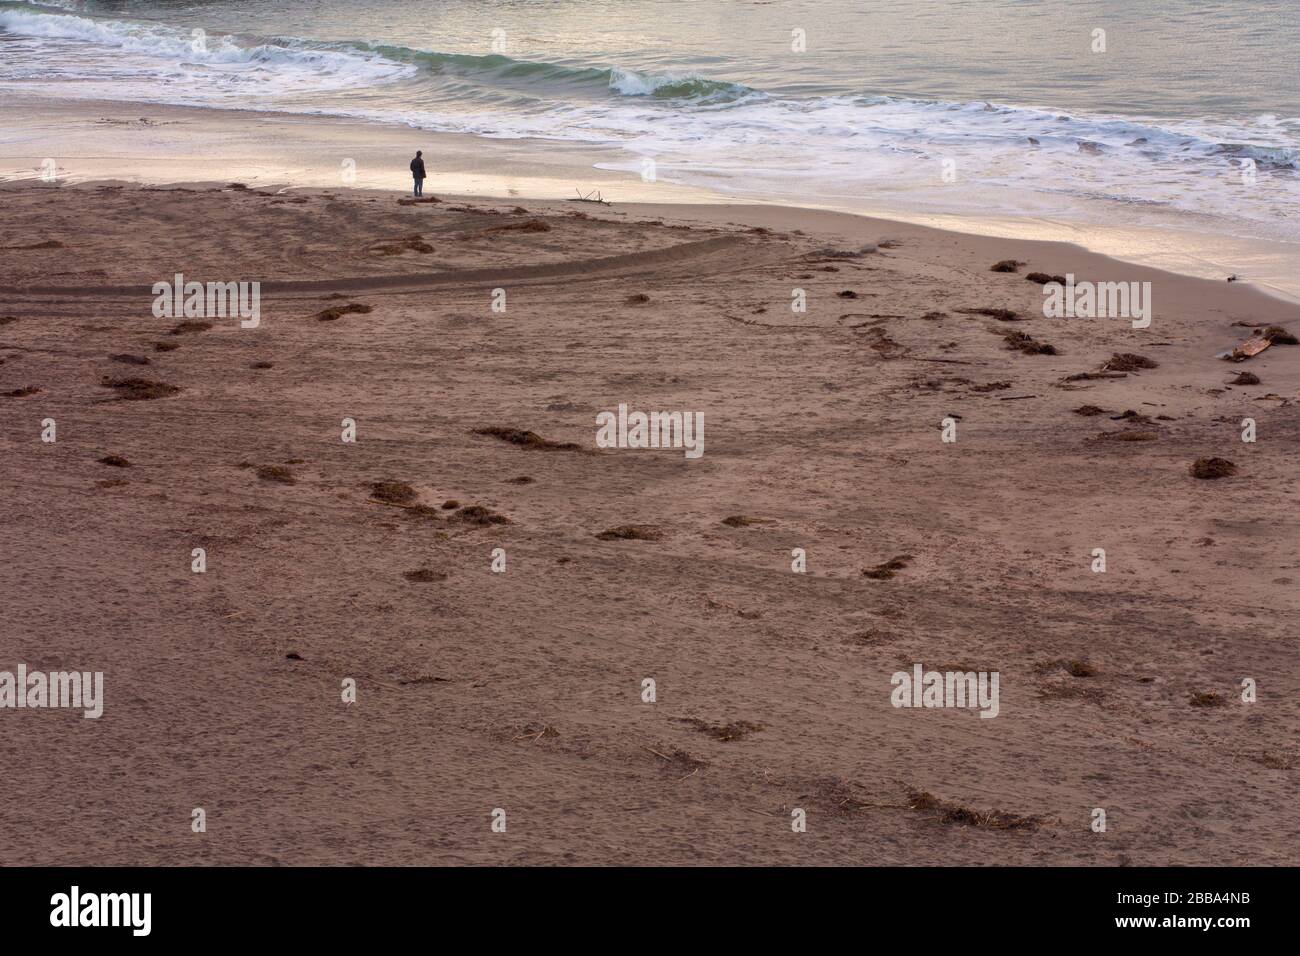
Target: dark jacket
{"points": [[417, 168]]}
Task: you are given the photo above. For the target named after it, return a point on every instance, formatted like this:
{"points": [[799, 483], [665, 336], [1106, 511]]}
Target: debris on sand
{"points": [[528, 225], [166, 346], [535, 731], [395, 247], [1042, 278], [1079, 668], [479, 516], [715, 605], [22, 392], [451, 504], [1089, 410], [392, 492], [1006, 265], [1093, 376], [923, 801], [1279, 336], [742, 521], [1248, 349], [423, 200], [277, 473], [1131, 416], [185, 328], [424, 575], [887, 570], [1213, 468], [595, 197], [261, 365], [1245, 378], [1019, 341], [1128, 436], [1275, 761], [417, 511], [111, 483], [881, 342], [632, 532], [128, 359], [524, 439], [139, 389], [7, 319], [829, 253], [335, 312], [847, 294], [724, 732], [424, 679], [637, 298], [679, 761], [991, 387], [1002, 315], [115, 461], [835, 797], [1207, 699], [1128, 362], [520, 480]]}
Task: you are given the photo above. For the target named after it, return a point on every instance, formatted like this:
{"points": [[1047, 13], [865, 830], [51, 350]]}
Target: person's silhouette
{"points": [[417, 172]]}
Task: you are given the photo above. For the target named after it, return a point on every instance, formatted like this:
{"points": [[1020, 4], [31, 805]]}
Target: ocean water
{"points": [[1189, 118]]}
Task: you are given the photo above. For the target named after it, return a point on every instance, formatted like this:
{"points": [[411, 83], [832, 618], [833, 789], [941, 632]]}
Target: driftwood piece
{"points": [[593, 196]]}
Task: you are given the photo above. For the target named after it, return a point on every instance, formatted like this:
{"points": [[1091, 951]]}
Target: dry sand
{"points": [[522, 690]]}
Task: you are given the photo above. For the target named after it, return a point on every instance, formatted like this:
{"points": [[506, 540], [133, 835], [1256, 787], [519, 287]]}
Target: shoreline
{"points": [[307, 151]]}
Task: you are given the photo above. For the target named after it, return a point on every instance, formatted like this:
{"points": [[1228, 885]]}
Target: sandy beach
{"points": [[372, 560]]}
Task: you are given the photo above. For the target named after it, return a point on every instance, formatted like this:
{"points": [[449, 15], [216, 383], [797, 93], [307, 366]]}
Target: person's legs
{"points": [[418, 183]]}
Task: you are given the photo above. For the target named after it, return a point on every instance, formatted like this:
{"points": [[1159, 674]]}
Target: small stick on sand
{"points": [[593, 196]]}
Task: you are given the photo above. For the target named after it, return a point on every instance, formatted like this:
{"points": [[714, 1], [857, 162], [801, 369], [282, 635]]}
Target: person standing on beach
{"points": [[417, 172]]}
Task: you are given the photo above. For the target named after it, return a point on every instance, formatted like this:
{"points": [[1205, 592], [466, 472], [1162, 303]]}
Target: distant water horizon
{"points": [[1189, 118]]}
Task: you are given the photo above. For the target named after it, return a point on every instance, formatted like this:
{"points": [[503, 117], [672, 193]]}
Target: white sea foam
{"points": [[296, 65], [1007, 159]]}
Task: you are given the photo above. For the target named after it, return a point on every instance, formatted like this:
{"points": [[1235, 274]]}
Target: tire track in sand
{"points": [[626, 264]]}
